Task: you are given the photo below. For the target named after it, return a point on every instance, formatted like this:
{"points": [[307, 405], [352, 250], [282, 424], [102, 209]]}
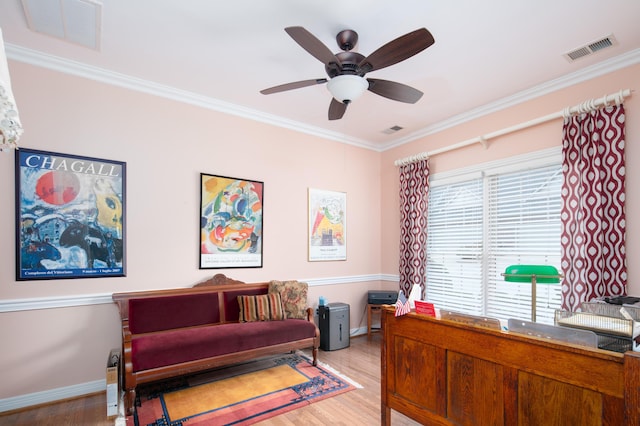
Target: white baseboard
{"points": [[358, 331], [44, 397], [37, 398]]}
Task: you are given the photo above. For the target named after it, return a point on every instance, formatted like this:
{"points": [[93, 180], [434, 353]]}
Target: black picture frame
{"points": [[231, 222], [70, 216]]}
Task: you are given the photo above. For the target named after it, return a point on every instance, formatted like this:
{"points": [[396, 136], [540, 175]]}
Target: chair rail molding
{"points": [[54, 302]]}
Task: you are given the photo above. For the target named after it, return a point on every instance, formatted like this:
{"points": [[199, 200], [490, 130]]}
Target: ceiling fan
{"points": [[346, 69]]}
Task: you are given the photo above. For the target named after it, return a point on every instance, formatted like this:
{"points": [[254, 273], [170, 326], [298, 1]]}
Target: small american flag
{"points": [[402, 305]]}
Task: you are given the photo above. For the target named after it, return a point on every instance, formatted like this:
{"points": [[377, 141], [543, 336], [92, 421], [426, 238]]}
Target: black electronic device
{"points": [[382, 297], [334, 323], [622, 300]]}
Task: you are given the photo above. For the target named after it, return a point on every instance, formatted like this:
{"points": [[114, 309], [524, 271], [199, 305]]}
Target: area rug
{"points": [[238, 395]]}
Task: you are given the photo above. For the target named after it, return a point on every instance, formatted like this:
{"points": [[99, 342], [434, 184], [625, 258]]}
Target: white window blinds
{"points": [[478, 226]]}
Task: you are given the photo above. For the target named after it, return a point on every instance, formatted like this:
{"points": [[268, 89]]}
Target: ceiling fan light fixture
{"points": [[347, 88]]}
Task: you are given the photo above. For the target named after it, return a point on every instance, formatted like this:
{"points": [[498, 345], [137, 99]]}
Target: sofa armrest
{"points": [[316, 339], [127, 365], [126, 333]]}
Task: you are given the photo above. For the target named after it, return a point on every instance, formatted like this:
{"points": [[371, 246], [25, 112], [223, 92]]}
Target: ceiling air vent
{"points": [[591, 48], [75, 21], [392, 130]]}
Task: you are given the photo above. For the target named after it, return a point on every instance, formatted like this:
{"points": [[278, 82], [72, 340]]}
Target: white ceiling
{"points": [[220, 54]]}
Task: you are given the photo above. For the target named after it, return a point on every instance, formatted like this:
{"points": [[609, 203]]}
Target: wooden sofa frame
{"points": [[220, 284]]}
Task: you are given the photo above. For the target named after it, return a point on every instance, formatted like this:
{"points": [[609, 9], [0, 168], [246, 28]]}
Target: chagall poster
{"points": [[70, 216]]}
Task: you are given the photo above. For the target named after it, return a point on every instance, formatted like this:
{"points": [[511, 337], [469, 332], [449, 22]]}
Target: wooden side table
{"points": [[370, 309]]}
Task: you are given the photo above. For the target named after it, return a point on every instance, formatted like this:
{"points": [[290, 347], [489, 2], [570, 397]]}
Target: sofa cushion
{"points": [[264, 307], [188, 344], [294, 297], [148, 314], [231, 305]]}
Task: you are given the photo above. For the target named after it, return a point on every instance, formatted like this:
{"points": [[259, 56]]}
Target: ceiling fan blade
{"points": [[294, 85], [311, 44], [398, 50], [336, 109], [395, 91]]}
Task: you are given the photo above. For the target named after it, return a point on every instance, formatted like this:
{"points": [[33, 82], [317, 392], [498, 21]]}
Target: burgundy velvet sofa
{"points": [[168, 333]]}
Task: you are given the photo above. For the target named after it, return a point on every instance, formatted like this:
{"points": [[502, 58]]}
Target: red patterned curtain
{"points": [[593, 206], [414, 187]]}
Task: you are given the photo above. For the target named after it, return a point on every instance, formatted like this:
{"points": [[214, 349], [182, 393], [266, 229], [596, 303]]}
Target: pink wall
{"points": [[166, 144]]}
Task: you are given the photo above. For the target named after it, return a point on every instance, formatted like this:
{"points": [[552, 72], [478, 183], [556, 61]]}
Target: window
{"points": [[482, 220]]}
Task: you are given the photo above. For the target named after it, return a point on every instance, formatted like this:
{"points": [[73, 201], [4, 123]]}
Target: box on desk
{"points": [[382, 297], [113, 382]]}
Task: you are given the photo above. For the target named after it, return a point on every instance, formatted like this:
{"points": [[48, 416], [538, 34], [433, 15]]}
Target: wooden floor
{"points": [[360, 362]]}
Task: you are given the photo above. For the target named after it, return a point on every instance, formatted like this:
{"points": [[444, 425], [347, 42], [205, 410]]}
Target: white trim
{"points": [[597, 70], [28, 400], [389, 277], [342, 280], [53, 302], [37, 398], [533, 159], [13, 305], [586, 106], [44, 60], [90, 72]]}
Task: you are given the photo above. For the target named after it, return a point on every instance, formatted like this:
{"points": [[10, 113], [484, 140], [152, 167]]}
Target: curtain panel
{"points": [[593, 206], [414, 187]]}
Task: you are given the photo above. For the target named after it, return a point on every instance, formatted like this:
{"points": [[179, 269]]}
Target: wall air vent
{"points": [[591, 48], [392, 130]]}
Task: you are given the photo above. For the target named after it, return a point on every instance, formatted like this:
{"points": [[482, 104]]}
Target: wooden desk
{"points": [[440, 372], [371, 308]]}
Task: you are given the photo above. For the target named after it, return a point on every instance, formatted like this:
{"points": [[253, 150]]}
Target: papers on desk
{"points": [[425, 308]]}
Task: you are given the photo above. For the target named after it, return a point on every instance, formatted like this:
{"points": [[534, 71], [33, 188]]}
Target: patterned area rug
{"points": [[238, 395]]}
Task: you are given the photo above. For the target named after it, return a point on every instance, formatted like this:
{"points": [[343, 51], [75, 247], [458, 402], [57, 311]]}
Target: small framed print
{"points": [[230, 222], [70, 216], [327, 225]]}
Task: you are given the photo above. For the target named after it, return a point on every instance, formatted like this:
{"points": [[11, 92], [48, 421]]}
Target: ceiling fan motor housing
{"points": [[348, 65], [347, 39]]}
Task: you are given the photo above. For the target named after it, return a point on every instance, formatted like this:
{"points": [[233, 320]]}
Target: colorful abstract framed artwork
{"points": [[70, 216], [327, 225], [230, 222]]}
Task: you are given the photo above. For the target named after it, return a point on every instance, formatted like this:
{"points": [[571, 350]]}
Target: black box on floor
{"points": [[382, 297], [334, 326]]}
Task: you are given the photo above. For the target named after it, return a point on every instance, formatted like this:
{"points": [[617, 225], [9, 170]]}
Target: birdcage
{"points": [[615, 332]]}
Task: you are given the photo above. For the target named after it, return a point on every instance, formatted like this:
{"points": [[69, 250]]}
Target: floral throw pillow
{"points": [[263, 307], [294, 297]]}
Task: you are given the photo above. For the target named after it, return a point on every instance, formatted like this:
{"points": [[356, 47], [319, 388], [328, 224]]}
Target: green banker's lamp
{"points": [[535, 274]]}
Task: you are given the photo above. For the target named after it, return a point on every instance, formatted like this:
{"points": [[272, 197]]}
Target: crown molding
{"points": [[78, 69], [66, 66], [596, 70]]}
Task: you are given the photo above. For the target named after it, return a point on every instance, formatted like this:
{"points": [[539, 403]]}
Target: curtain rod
{"points": [[576, 109]]}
